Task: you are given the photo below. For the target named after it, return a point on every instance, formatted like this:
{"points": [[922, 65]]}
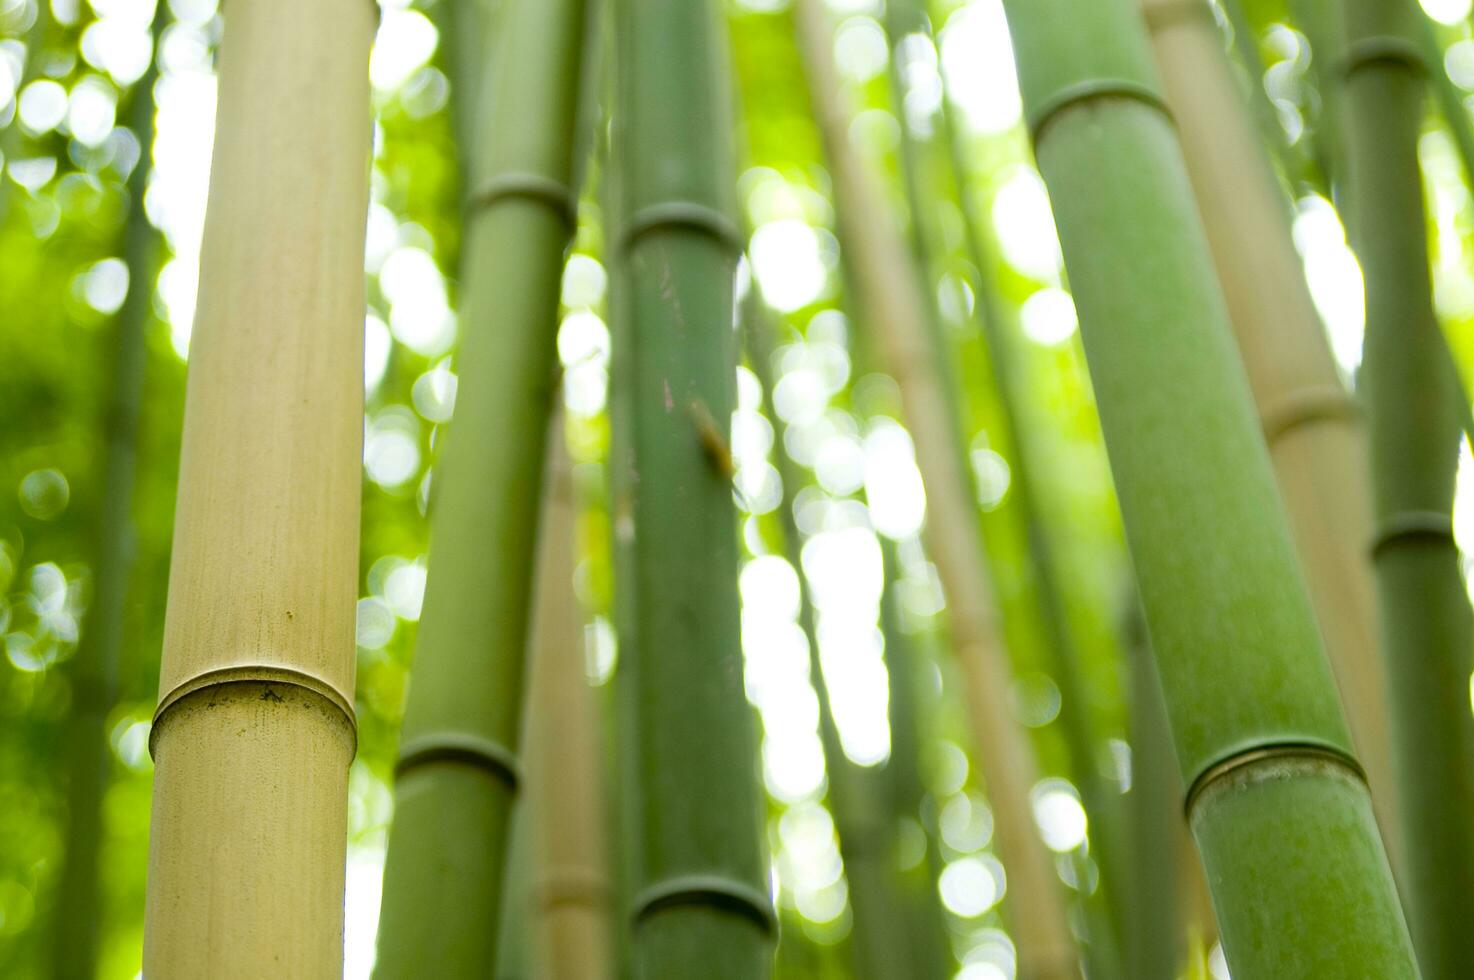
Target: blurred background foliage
{"points": [[70, 68]]}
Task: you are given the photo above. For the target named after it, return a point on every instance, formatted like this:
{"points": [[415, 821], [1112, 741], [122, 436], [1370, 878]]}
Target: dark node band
{"points": [[682, 214], [728, 893], [1412, 524], [526, 186], [1091, 90], [263, 675], [1386, 48], [1265, 756], [469, 750], [1306, 405]]}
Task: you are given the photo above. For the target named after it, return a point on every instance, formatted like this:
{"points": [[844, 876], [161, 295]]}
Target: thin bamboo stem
{"points": [[1275, 799], [458, 771], [1153, 945], [1415, 411], [77, 919], [891, 296], [697, 880], [1000, 329], [571, 889], [1312, 427], [880, 940], [254, 730], [920, 901]]}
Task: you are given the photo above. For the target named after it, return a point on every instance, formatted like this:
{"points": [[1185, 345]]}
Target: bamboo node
{"points": [[264, 674], [682, 214], [1090, 90], [1316, 403], [1366, 51], [718, 890], [471, 750], [1243, 763], [1412, 524], [528, 186]]}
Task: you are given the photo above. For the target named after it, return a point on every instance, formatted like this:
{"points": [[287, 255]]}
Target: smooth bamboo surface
{"points": [[571, 887], [690, 799], [891, 297], [254, 731], [1414, 408], [1314, 430], [458, 770], [1275, 799]]}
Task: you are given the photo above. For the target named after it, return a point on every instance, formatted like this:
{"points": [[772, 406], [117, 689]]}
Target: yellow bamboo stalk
{"points": [[254, 730], [1313, 429], [890, 298], [570, 888]]}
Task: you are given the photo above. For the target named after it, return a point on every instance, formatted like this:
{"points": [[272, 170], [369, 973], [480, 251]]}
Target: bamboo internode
{"points": [[1283, 821], [254, 730]]}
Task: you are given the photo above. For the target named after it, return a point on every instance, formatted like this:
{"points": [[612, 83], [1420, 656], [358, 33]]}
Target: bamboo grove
{"points": [[810, 489]]}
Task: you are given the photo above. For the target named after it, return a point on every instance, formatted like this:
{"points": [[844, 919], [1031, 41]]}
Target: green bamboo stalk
{"points": [[516, 957], [1316, 19], [94, 671], [890, 294], [1313, 428], [1275, 798], [458, 770], [1413, 404], [1248, 75], [699, 902], [881, 940], [468, 30], [1450, 100]]}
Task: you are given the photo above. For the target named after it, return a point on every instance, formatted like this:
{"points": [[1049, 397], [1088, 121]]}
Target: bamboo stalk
{"points": [[1153, 944], [1247, 77], [254, 730], [891, 296], [920, 903], [1414, 409], [571, 888], [458, 770], [1275, 799], [698, 882], [1313, 428], [999, 327], [880, 940], [77, 918], [1450, 100]]}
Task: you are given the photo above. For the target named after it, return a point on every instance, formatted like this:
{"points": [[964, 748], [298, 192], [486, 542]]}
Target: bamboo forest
{"points": [[736, 489]]}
